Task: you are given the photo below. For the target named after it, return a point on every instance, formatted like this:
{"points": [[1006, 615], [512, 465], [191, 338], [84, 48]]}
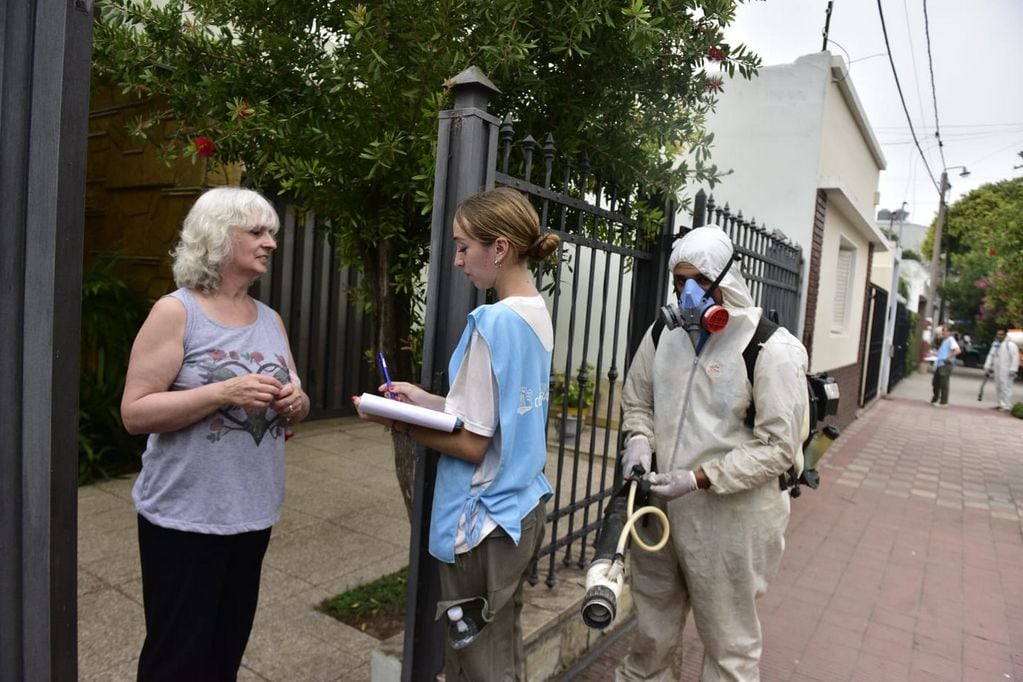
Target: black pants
{"points": [[199, 593]]}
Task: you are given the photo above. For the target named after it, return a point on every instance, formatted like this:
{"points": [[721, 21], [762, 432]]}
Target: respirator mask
{"points": [[696, 311]]}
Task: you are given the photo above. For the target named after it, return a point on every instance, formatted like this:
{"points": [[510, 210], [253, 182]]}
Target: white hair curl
{"points": [[205, 243]]}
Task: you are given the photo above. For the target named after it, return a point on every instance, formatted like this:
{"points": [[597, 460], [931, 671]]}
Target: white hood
{"points": [[708, 249]]}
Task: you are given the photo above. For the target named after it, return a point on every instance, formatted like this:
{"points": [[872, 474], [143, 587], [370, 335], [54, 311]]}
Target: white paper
{"points": [[405, 412]]}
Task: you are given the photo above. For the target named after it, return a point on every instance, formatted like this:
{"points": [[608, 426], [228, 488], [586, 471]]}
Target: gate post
{"points": [[44, 113], [466, 157], [650, 290]]}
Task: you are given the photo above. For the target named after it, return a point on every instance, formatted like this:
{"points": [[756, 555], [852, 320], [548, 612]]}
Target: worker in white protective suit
{"points": [[718, 480], [1002, 363]]}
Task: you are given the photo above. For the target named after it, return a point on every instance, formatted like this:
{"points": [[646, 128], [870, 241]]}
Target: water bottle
{"points": [[461, 629], [817, 447]]}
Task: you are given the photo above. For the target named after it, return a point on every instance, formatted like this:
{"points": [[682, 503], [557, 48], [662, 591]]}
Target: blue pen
{"points": [[387, 376]]}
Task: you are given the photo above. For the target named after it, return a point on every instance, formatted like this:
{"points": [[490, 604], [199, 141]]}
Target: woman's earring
{"points": [[498, 263]]}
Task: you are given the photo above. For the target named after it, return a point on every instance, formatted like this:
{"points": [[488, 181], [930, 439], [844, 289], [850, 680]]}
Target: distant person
{"points": [[947, 353], [967, 342], [212, 380], [487, 524], [1002, 363], [925, 339]]}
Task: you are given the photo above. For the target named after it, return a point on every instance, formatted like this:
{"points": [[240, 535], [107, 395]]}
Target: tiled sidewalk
{"points": [[907, 563]]}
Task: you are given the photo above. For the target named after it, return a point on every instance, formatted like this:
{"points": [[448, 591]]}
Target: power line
{"points": [[934, 91], [912, 60], [960, 125], [898, 86]]}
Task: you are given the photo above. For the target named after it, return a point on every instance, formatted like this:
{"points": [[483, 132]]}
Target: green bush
{"points": [[1017, 411], [111, 316]]}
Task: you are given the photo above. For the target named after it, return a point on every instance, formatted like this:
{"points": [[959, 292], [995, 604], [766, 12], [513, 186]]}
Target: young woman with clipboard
{"points": [[489, 501]]}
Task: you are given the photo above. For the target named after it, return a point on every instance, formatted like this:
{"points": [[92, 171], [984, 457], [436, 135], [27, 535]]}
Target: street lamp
{"points": [[939, 226]]}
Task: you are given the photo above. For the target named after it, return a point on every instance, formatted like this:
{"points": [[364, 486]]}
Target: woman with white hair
{"points": [[212, 380], [686, 396]]}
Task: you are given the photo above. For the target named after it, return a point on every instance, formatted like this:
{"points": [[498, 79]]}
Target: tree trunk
{"points": [[390, 322]]}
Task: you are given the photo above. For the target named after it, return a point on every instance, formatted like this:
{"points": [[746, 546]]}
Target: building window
{"points": [[844, 269]]}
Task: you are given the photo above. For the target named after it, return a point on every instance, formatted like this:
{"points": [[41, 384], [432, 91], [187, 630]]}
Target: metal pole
{"points": [[44, 113], [466, 158], [827, 25], [939, 227]]}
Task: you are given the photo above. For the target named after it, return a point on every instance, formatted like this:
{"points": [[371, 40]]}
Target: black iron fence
{"points": [[604, 290], [771, 264]]}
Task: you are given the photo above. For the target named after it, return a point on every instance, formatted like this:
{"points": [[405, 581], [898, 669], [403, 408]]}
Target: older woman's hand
{"points": [[291, 403], [250, 390]]}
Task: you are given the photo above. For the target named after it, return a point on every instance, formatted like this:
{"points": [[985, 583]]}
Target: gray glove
{"points": [[637, 451], [673, 483]]}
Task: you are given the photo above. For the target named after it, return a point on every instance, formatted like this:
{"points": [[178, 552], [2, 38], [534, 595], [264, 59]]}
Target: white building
{"points": [[804, 160]]}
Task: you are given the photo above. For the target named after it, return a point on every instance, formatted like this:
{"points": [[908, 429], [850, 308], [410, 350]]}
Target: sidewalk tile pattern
{"points": [[907, 563]]}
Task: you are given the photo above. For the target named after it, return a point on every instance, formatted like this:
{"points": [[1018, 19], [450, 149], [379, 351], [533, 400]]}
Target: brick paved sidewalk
{"points": [[907, 563]]}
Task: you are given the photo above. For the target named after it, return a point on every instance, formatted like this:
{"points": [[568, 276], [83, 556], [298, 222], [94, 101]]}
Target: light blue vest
{"points": [[522, 369]]}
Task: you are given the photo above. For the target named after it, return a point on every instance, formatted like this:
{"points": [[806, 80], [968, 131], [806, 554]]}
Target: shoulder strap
{"points": [[763, 332], [656, 328]]}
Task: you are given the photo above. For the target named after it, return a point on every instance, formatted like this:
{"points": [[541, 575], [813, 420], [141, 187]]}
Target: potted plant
{"points": [[570, 404]]}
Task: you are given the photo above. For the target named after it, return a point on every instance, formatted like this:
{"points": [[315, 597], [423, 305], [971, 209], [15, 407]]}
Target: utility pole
{"points": [[939, 227], [827, 25]]}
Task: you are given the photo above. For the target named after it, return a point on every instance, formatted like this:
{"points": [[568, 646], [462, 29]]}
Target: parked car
{"points": [[975, 355]]}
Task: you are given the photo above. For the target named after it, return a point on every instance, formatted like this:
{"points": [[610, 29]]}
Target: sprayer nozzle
{"points": [[599, 607]]}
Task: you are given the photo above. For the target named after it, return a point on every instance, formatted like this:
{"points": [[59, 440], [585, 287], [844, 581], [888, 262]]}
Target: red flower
{"points": [[257, 357], [714, 84], [217, 354], [204, 146], [716, 54], [216, 424]]}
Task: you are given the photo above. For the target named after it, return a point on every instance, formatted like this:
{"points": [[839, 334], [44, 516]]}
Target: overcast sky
{"points": [[977, 59]]}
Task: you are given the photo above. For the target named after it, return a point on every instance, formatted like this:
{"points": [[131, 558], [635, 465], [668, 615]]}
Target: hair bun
{"points": [[544, 245]]}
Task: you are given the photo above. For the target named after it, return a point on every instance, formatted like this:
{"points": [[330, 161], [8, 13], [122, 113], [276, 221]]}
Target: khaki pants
{"points": [[491, 575]]}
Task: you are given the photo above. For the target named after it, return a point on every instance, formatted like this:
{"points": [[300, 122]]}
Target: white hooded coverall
{"points": [[1003, 361], [726, 541]]}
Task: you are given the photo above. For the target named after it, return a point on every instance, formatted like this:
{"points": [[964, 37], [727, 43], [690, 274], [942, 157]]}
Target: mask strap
{"points": [[735, 257]]}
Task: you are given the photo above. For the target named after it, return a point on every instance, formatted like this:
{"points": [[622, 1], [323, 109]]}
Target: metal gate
{"points": [[875, 344], [608, 282], [900, 346], [771, 264]]}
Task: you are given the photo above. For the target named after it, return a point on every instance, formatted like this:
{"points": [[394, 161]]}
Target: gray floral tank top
{"points": [[224, 474]]}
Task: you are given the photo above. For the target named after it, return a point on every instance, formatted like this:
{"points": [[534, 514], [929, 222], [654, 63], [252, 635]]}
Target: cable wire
{"points": [[934, 91], [898, 86]]}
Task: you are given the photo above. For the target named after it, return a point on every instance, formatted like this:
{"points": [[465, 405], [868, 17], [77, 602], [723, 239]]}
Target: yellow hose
{"points": [[630, 524]]}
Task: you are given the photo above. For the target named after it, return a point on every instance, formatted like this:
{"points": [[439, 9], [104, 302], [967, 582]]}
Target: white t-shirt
{"points": [[473, 397]]}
